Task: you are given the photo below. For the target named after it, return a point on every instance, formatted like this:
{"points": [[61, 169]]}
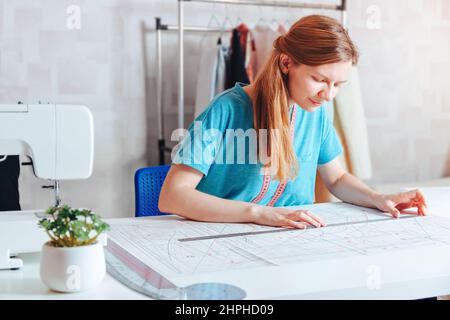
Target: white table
{"points": [[433, 281], [25, 284]]}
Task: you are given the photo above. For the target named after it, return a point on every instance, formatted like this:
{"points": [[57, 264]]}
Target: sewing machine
{"points": [[59, 139]]}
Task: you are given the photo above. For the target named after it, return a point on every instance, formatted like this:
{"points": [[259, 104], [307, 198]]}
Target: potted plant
{"points": [[73, 260]]}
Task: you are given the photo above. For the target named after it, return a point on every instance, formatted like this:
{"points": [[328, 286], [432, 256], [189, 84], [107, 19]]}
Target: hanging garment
{"points": [[9, 183], [350, 122], [281, 29], [321, 193], [263, 36], [211, 72], [248, 47], [223, 53], [236, 68]]}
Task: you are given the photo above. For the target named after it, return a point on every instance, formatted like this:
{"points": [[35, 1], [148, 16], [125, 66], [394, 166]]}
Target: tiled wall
{"points": [[406, 89], [404, 73]]}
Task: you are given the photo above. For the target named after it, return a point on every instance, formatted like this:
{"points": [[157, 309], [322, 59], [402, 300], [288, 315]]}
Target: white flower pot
{"points": [[72, 269]]}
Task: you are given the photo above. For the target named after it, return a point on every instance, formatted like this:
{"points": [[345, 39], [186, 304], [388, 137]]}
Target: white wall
{"points": [[405, 67], [404, 74]]}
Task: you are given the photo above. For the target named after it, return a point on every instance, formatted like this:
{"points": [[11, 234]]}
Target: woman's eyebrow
{"points": [[321, 75]]}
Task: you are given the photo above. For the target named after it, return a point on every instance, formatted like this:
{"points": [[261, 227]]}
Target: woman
{"points": [[305, 70]]}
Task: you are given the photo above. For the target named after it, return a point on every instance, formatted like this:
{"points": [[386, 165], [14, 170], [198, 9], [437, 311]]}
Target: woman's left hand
{"points": [[395, 203]]}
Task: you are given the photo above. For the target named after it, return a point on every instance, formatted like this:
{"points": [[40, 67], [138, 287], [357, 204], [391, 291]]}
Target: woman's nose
{"points": [[325, 95]]}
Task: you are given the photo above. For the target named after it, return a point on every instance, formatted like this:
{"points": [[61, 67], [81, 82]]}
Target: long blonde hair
{"points": [[313, 40]]}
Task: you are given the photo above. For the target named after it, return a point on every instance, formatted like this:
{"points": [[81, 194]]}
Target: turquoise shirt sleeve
{"points": [[203, 141], [330, 146]]}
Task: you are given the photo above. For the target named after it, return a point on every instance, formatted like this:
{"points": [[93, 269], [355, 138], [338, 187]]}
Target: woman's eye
{"points": [[318, 80]]}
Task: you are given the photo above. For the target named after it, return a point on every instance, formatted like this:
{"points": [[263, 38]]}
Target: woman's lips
{"points": [[315, 103]]}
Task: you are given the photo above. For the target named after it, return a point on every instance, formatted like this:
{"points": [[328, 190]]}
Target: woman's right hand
{"points": [[284, 217]]}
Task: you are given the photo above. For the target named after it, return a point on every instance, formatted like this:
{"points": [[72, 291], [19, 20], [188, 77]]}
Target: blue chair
{"points": [[147, 186]]}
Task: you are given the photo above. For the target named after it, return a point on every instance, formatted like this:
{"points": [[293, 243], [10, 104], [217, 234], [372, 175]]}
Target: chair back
{"points": [[147, 186]]}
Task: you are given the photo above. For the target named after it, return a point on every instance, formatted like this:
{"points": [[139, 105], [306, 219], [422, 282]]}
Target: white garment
{"points": [[220, 69], [264, 37], [211, 72], [351, 123]]}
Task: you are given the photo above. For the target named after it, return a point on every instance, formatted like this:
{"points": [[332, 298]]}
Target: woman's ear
{"points": [[285, 63]]}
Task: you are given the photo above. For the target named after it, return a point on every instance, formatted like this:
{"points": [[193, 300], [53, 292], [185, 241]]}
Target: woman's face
{"points": [[310, 87]]}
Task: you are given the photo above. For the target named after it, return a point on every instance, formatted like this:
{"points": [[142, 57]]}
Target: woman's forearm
{"points": [[352, 190], [196, 205]]}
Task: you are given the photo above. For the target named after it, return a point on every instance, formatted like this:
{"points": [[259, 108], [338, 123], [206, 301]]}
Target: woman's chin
{"points": [[309, 108]]}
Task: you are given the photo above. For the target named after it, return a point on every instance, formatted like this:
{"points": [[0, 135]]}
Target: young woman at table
{"points": [[286, 101]]}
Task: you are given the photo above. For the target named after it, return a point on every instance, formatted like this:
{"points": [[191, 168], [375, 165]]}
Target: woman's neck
{"points": [[249, 90]]}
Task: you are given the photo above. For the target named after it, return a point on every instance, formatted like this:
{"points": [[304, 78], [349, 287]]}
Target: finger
{"points": [[295, 224], [395, 213], [421, 198], [318, 219], [417, 196], [393, 210], [413, 198], [422, 209], [303, 215], [306, 218], [422, 203]]}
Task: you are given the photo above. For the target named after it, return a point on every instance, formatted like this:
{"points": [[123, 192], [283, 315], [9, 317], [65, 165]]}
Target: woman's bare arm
{"points": [[345, 186], [350, 189], [179, 196]]}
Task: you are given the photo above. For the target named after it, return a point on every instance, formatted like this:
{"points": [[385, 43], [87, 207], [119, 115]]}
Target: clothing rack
{"points": [[181, 28]]}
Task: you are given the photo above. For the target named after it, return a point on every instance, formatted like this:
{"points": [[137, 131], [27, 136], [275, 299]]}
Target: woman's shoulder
{"points": [[233, 97], [231, 102]]}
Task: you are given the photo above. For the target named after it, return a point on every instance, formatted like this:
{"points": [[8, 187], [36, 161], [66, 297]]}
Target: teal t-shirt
{"points": [[221, 144]]}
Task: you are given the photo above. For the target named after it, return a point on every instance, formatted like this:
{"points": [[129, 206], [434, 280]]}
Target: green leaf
{"points": [[72, 227]]}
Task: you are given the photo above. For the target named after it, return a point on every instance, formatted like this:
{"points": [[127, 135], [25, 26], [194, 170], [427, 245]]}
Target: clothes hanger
{"points": [[261, 21], [239, 19], [227, 20], [226, 23], [274, 24], [287, 24], [213, 20]]}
